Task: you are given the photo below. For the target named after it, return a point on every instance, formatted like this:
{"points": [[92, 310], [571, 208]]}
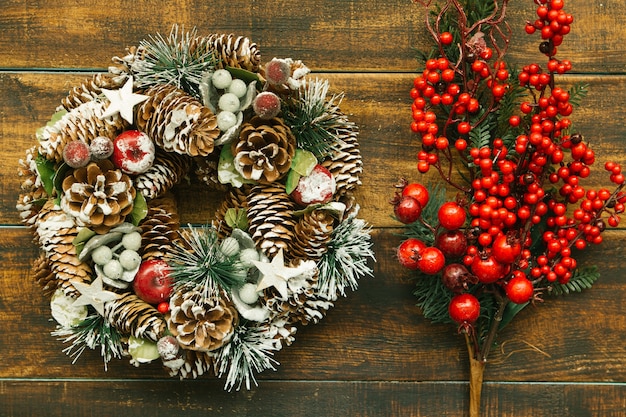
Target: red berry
{"points": [[451, 215], [446, 38], [431, 260], [487, 269], [408, 252], [277, 71], [506, 249], [266, 105], [452, 243], [163, 307], [464, 308], [519, 290], [418, 192], [457, 278], [76, 154], [407, 210]]}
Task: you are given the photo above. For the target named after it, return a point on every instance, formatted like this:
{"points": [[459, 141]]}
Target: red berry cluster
{"points": [[526, 179]]}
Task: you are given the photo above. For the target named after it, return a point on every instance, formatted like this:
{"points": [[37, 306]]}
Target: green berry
{"points": [[113, 269], [132, 241], [102, 255], [129, 259]]}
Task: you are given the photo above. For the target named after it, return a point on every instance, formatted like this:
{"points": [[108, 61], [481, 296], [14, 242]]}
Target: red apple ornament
{"points": [[316, 188], [153, 282], [133, 152]]}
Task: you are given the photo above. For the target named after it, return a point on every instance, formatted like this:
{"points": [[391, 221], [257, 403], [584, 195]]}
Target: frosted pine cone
{"points": [[131, 315], [235, 51], [98, 196], [56, 232], [199, 323], [265, 149], [89, 90], [81, 123], [159, 229], [345, 161], [33, 193], [167, 170], [177, 122], [311, 235], [270, 218]]}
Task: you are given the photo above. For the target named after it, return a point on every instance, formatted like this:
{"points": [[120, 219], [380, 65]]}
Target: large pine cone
{"points": [[345, 161], [235, 51], [98, 195], [270, 218], [159, 229], [265, 149], [44, 276], [311, 235], [131, 315], [56, 232], [177, 122], [81, 123], [199, 323], [168, 169]]}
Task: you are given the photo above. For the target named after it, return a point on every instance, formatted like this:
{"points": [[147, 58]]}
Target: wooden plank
{"points": [[24, 398], [355, 35], [376, 331], [378, 103]]}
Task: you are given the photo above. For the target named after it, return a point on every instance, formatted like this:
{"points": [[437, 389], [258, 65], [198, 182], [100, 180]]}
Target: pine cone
{"points": [[98, 195], [81, 123], [206, 171], [195, 364], [177, 121], [235, 51], [44, 276], [56, 232], [90, 89], [235, 198], [199, 323], [131, 315], [311, 235], [265, 149], [167, 170], [345, 161], [159, 229], [303, 304], [270, 218], [33, 194]]}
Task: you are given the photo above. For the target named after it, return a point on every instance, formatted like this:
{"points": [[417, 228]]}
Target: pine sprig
{"points": [[181, 59], [433, 298], [197, 262], [249, 352], [92, 332], [346, 258], [313, 119], [577, 93], [582, 279]]}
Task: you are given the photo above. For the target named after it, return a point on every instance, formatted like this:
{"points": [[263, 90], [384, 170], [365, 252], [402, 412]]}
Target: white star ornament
{"points": [[122, 101]]}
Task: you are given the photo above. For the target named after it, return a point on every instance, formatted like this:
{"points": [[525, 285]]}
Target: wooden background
{"points": [[373, 355]]}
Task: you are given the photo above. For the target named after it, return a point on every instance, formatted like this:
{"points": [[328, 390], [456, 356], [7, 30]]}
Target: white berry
{"points": [[229, 102], [248, 293], [132, 241], [129, 259], [238, 88], [113, 269], [102, 255], [222, 78], [247, 256], [226, 120]]}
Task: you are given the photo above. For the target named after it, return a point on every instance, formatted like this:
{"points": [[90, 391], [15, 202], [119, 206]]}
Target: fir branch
{"points": [[346, 258], [433, 297], [314, 120], [582, 279], [481, 135], [249, 352], [92, 332], [181, 59], [197, 262], [577, 93]]}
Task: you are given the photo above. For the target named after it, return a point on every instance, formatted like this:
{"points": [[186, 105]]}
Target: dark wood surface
{"points": [[373, 355]]}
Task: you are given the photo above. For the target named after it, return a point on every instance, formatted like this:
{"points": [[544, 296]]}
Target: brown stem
{"points": [[493, 328], [477, 370]]}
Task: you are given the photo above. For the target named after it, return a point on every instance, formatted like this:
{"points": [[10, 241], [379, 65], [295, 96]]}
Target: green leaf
{"points": [[81, 238], [303, 162], [244, 75], [511, 311], [292, 181], [236, 218], [46, 171], [140, 209]]}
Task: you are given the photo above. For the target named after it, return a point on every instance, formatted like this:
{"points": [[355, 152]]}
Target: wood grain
{"points": [[374, 354]]}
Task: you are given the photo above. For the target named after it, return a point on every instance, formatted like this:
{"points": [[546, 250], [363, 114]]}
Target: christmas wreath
{"points": [[122, 274], [504, 141]]}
